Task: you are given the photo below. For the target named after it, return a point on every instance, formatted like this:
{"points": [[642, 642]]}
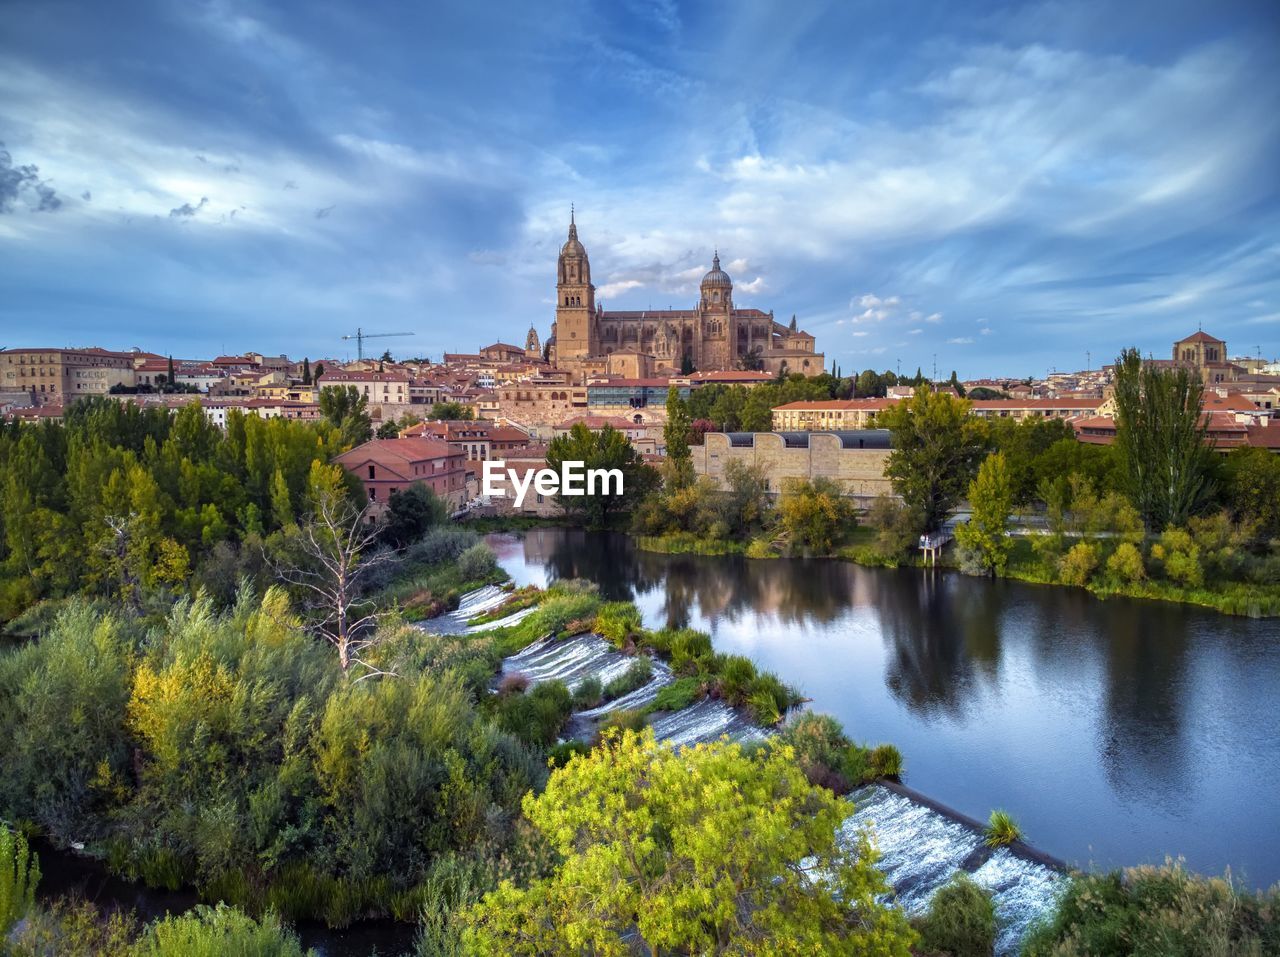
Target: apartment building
{"points": [[384, 466], [63, 374]]}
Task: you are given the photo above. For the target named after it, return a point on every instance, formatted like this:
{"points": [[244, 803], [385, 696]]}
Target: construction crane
{"points": [[361, 336]]}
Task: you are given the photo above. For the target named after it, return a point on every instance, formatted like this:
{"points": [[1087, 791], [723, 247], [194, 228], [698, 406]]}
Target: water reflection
{"points": [[1107, 727]]}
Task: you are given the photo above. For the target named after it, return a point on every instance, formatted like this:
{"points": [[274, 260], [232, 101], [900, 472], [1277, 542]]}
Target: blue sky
{"points": [[1004, 186]]}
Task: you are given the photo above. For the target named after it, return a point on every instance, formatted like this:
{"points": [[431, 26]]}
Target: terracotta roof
{"points": [[833, 405], [396, 453], [1201, 336]]}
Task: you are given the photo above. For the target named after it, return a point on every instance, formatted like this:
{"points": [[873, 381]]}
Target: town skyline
{"points": [[1010, 193]]}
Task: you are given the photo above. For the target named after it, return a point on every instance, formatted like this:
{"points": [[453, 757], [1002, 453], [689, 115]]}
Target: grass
{"points": [[1001, 830], [678, 695], [687, 543], [638, 674]]}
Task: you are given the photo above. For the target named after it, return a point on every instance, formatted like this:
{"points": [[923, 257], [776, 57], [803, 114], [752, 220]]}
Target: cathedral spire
{"points": [[573, 226]]}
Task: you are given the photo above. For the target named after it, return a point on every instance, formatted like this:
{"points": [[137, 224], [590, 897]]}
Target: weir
{"points": [[922, 844]]}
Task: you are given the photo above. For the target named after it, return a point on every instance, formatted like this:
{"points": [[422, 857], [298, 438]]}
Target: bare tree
{"points": [[337, 554]]}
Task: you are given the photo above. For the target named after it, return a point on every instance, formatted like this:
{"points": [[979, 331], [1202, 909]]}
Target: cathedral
{"points": [[714, 335]]}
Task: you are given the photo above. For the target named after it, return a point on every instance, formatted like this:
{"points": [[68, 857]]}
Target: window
{"points": [[370, 471], [373, 494]]}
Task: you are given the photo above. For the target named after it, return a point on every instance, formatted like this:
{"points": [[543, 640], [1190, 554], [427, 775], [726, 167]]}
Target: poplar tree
{"points": [[675, 434], [1166, 462], [991, 499]]}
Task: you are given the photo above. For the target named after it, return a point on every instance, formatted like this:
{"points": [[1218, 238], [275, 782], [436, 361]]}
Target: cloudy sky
{"points": [[1007, 187]]}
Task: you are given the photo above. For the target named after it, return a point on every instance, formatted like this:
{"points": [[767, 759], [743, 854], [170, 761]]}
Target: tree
{"points": [[319, 371], [606, 449], [386, 356], [451, 411], [334, 554], [746, 502], [675, 434], [1253, 490], [172, 379], [306, 371], [814, 514], [705, 850], [347, 409], [937, 447], [954, 382], [991, 498], [410, 513], [1160, 434]]}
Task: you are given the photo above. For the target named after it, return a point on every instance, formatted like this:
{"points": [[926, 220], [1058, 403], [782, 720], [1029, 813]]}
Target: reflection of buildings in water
{"points": [[943, 637]]}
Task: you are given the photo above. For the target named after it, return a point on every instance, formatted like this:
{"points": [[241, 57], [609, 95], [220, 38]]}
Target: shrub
{"points": [[960, 921], [1125, 564], [443, 543], [216, 931], [617, 620], [564, 752], [1157, 910], [477, 563], [1001, 830], [73, 928], [514, 683], [885, 761], [678, 695], [624, 719], [588, 694], [638, 674], [19, 875], [1077, 566], [822, 750], [565, 602], [1179, 557], [537, 716]]}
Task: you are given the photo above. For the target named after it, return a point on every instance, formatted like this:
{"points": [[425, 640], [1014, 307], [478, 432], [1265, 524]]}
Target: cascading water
{"points": [[921, 847]]}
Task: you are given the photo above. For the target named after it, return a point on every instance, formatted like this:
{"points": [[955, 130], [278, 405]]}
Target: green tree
{"points": [[306, 371], [1160, 435], [746, 506], [451, 412], [675, 434], [1253, 490], [705, 850], [991, 499], [410, 513], [319, 371], [937, 447], [606, 449], [347, 409], [815, 515]]}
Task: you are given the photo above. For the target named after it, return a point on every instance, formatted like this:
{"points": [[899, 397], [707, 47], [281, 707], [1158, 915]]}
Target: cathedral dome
{"points": [[717, 276]]}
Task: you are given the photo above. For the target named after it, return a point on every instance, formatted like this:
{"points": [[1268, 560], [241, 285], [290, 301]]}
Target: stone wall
{"points": [[859, 471]]}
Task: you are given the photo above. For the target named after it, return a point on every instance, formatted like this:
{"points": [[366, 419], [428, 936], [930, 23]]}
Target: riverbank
{"points": [[1229, 598]]}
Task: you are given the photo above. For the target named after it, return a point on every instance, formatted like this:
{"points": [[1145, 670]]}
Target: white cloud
{"points": [[914, 332], [611, 289], [934, 317], [960, 341]]}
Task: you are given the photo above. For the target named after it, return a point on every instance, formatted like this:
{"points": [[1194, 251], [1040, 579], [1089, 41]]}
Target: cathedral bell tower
{"points": [[575, 300]]}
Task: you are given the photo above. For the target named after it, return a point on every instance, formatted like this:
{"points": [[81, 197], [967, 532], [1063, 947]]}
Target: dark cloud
{"points": [[324, 213], [24, 183], [186, 210], [289, 184], [86, 196]]}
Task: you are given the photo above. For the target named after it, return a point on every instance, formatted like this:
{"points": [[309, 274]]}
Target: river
{"points": [[1116, 732]]}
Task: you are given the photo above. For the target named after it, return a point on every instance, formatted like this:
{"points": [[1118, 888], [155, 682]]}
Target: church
{"points": [[715, 335]]}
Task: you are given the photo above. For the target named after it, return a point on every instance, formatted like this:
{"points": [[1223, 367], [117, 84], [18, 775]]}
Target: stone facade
{"points": [[854, 459], [714, 334], [60, 375]]}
